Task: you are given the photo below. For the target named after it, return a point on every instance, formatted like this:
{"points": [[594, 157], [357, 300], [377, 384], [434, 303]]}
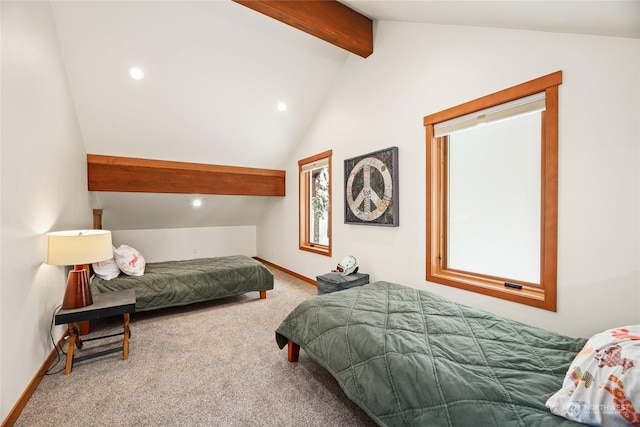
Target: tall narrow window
{"points": [[315, 203], [492, 178]]}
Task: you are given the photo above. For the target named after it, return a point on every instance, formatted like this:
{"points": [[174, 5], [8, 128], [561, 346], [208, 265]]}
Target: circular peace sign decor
{"points": [[371, 188]]}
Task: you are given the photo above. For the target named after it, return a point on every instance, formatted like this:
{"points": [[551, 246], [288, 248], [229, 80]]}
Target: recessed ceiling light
{"points": [[197, 203], [282, 106], [136, 73]]}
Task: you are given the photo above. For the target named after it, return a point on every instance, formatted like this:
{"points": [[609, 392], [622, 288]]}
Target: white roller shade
{"points": [[526, 105], [321, 163]]}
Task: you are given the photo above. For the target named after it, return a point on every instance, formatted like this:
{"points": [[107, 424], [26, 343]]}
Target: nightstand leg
{"points": [[127, 333], [71, 330]]}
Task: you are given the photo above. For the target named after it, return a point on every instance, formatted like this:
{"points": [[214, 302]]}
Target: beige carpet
{"points": [[210, 364]]}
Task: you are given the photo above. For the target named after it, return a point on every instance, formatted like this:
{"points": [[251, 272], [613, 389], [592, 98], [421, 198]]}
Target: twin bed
{"points": [[410, 357], [176, 283]]}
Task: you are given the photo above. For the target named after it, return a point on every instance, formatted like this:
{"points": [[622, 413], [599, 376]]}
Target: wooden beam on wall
{"points": [[108, 173], [328, 20]]}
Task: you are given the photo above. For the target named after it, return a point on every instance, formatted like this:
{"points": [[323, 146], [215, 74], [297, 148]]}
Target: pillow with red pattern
{"points": [[130, 261]]}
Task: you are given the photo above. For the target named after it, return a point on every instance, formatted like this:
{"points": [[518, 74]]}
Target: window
{"points": [[315, 203], [492, 194]]}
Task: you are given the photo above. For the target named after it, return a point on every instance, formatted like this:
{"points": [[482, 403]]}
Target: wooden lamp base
{"points": [[78, 293]]}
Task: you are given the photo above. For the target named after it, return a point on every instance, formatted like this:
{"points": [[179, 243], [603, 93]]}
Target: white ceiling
{"points": [[215, 71], [596, 17], [214, 74]]}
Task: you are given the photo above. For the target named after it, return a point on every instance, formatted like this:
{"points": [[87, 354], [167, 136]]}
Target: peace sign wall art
{"points": [[371, 188]]}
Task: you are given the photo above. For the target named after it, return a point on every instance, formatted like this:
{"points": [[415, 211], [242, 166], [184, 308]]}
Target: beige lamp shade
{"points": [[77, 247]]}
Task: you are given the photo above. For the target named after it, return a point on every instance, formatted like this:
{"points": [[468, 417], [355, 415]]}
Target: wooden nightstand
{"points": [[104, 305]]}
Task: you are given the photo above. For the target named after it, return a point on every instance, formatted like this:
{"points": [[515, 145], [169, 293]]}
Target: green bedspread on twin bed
{"points": [[410, 357], [174, 283]]}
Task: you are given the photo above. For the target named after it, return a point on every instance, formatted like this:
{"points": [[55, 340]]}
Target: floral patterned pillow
{"points": [[602, 386]]}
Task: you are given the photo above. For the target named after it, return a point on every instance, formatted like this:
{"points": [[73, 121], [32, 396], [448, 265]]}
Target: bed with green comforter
{"points": [[176, 283], [412, 358]]}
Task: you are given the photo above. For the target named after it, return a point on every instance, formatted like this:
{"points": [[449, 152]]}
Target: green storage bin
{"points": [[332, 282]]}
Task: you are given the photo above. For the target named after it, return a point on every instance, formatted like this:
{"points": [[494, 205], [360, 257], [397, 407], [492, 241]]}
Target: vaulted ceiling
{"points": [[619, 18], [215, 72]]}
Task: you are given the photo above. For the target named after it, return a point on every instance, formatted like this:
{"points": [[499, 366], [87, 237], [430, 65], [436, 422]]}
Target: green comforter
{"points": [[410, 357], [174, 283]]}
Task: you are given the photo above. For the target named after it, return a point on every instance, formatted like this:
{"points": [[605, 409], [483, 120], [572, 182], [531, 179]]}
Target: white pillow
{"points": [[107, 269], [602, 386], [130, 261]]}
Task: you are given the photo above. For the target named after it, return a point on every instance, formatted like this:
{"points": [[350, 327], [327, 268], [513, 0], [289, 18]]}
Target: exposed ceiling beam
{"points": [[108, 173], [328, 20]]}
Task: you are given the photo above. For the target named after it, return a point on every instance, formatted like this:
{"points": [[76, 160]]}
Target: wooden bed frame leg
{"points": [[97, 219], [293, 351], [263, 294]]}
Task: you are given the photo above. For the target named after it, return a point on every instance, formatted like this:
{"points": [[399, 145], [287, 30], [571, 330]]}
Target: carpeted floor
{"points": [[210, 364]]}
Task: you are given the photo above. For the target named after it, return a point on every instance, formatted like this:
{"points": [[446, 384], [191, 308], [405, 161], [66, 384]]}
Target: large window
{"points": [[315, 203], [492, 178]]}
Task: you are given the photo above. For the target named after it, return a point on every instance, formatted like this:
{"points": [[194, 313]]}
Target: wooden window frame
{"points": [[541, 295], [304, 201]]}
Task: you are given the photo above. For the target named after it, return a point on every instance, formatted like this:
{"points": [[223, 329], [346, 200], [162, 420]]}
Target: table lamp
{"points": [[78, 247]]}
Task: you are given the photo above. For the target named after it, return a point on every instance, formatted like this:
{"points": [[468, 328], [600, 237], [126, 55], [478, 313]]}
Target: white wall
{"points": [[187, 243], [43, 178], [420, 69]]}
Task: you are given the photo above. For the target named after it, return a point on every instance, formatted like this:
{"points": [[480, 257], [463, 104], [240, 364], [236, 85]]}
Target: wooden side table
{"points": [[104, 305]]}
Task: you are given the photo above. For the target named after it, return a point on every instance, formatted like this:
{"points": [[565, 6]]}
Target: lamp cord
{"points": [[55, 346]]}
